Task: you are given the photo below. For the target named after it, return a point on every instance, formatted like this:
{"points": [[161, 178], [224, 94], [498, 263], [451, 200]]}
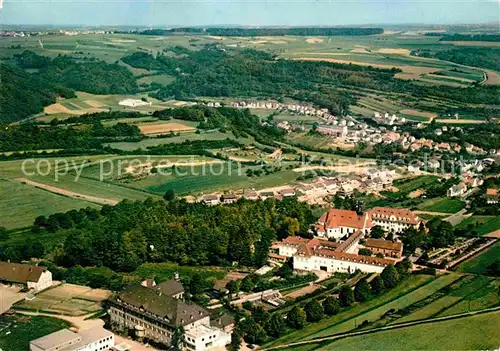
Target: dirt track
{"points": [[53, 189]]}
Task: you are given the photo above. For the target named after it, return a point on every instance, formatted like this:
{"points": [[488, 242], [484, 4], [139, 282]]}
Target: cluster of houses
{"points": [[299, 109], [339, 236], [372, 181], [388, 119]]}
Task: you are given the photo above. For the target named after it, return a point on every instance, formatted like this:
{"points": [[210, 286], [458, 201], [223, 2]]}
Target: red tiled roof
{"points": [[295, 241], [276, 256], [384, 244], [492, 192], [322, 251], [346, 218], [402, 214]]}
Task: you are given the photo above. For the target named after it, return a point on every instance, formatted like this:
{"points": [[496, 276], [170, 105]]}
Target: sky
{"points": [[248, 12]]}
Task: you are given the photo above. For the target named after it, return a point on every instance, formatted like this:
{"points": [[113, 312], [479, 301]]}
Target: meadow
{"points": [[482, 224], [479, 263], [442, 204], [468, 333], [18, 330]]}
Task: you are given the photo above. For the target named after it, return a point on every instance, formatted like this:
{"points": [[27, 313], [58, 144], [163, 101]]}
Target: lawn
{"points": [[165, 270], [445, 205], [17, 331], [479, 264], [347, 317], [469, 333]]}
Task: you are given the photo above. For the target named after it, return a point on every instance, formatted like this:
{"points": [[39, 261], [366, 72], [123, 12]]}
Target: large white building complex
{"points": [[155, 312], [340, 236]]}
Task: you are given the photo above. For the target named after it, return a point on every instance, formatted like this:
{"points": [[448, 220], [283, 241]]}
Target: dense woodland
{"points": [[30, 82], [469, 37], [124, 236], [253, 32], [27, 136]]}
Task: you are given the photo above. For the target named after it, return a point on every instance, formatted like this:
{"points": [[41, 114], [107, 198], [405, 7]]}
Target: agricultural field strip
{"points": [[483, 298], [411, 284], [465, 287], [403, 301], [95, 199]]}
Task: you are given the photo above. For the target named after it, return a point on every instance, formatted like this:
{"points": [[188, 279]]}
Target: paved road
{"points": [[389, 327]]}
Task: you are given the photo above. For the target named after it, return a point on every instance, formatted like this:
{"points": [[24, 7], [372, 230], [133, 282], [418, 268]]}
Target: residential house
{"points": [[264, 195], [457, 190], [492, 196], [229, 199], [288, 192], [37, 278], [251, 195], [210, 199]]}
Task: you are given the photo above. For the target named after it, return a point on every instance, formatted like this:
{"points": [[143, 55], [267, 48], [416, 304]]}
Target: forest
{"points": [[30, 82], [469, 56], [255, 32], [27, 136], [126, 235]]}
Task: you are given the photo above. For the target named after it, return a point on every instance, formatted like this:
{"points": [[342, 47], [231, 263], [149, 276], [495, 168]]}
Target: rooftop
{"points": [[55, 339], [383, 244], [152, 301], [345, 218], [20, 273], [170, 287], [394, 214]]}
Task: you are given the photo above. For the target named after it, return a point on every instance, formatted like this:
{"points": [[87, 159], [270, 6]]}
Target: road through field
{"points": [[53, 189]]}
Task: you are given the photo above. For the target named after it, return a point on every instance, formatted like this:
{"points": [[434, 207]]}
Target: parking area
{"points": [[8, 296]]}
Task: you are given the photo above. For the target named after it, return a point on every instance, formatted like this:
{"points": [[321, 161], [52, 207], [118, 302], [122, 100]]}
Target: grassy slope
{"points": [[469, 333], [479, 264], [358, 309]]}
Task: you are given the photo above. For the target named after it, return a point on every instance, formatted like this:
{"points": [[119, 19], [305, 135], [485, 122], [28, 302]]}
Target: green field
{"points": [[469, 333], [479, 264], [20, 203], [482, 224], [445, 205], [17, 331], [454, 293], [164, 271]]}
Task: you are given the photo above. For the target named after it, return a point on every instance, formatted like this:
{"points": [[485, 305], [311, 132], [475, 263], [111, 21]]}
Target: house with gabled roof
{"points": [[37, 278]]}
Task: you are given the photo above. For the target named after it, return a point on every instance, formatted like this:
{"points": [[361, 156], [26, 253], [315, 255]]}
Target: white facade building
{"points": [[393, 219], [94, 339], [37, 278]]}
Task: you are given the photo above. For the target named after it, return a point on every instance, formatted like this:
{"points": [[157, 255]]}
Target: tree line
{"points": [[255, 32], [126, 235]]}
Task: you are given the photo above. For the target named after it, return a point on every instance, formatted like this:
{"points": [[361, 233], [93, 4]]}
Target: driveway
{"points": [[8, 296]]}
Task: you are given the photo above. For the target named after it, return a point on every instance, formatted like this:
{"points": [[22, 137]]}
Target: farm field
{"points": [[20, 204], [478, 264], [397, 304], [481, 298], [413, 283], [481, 224], [467, 333], [455, 293], [67, 299], [444, 205], [17, 331], [408, 185], [389, 50], [165, 127]]}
